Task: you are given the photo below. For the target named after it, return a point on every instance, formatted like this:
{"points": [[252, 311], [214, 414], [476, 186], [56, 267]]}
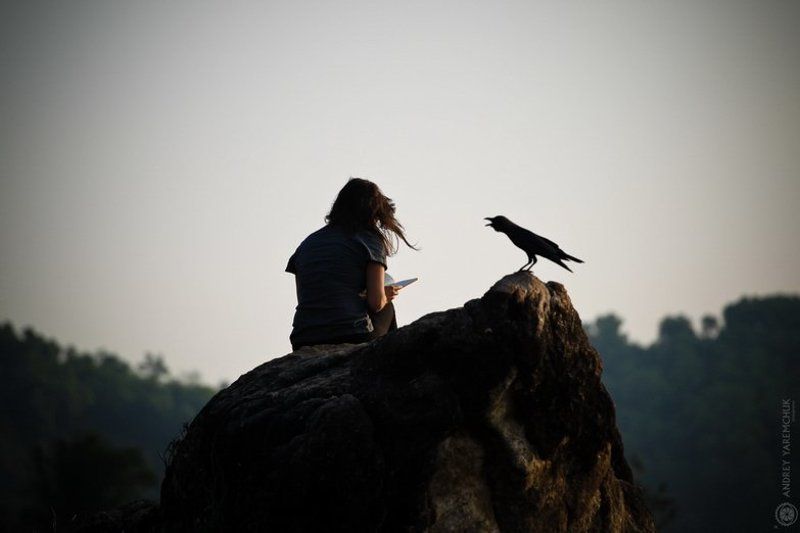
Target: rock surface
{"points": [[489, 417]]}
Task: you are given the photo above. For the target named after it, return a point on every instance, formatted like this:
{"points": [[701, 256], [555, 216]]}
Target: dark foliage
{"points": [[702, 411], [77, 477], [81, 432]]}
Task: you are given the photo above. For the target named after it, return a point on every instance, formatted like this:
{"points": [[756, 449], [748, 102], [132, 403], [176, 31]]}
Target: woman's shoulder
{"points": [[331, 234], [372, 241], [322, 233], [369, 237]]}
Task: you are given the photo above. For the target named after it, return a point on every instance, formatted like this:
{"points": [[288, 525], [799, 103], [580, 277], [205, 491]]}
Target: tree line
{"points": [[699, 410], [82, 432]]}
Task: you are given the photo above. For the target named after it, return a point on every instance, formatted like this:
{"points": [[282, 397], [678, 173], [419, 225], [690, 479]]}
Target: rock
{"points": [[489, 417]]}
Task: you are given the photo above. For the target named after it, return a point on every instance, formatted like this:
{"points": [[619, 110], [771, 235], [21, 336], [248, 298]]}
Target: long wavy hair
{"points": [[361, 205]]}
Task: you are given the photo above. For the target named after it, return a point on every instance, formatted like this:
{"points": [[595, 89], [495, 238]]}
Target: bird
{"points": [[530, 243]]}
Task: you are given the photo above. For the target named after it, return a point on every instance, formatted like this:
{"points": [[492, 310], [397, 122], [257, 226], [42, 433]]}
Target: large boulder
{"points": [[488, 417]]}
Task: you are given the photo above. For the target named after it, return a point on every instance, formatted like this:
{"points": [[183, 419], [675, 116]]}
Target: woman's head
{"points": [[361, 205]]}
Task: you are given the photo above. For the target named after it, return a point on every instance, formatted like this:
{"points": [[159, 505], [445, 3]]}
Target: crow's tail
{"points": [[570, 258], [559, 263]]}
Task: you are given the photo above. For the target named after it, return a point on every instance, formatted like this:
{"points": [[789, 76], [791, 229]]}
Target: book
{"points": [[389, 281]]}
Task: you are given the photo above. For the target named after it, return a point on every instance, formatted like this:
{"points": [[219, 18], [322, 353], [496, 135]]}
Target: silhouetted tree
{"points": [[85, 475], [701, 413], [676, 329], [709, 326], [53, 396], [153, 367], [660, 503]]}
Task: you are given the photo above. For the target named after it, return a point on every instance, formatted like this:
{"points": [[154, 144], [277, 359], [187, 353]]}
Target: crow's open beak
{"points": [[490, 221]]}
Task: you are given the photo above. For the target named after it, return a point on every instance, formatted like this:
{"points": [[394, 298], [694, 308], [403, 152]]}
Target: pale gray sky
{"points": [[160, 161]]}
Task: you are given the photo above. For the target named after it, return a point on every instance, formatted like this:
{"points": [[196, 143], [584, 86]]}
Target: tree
{"points": [[701, 413], [709, 326], [85, 475], [675, 329], [660, 503], [153, 367], [53, 397]]}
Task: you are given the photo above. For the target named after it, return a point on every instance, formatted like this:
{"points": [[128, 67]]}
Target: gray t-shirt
{"points": [[331, 265]]}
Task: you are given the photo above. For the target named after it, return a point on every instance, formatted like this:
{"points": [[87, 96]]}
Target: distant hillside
{"points": [[702, 409], [61, 407]]}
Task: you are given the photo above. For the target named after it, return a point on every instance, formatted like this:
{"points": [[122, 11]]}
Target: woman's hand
{"points": [[391, 292]]}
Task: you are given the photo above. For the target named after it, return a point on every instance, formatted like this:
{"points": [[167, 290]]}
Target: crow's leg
{"points": [[523, 266], [531, 263]]}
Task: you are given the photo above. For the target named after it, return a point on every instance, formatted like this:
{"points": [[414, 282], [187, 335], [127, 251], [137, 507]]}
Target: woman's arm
{"points": [[378, 295]]}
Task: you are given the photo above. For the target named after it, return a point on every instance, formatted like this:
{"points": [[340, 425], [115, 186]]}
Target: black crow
{"points": [[530, 243]]}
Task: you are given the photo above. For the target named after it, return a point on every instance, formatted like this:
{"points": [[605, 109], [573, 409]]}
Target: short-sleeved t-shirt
{"points": [[331, 265]]}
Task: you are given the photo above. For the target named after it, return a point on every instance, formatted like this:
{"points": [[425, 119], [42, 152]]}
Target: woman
{"points": [[339, 270]]}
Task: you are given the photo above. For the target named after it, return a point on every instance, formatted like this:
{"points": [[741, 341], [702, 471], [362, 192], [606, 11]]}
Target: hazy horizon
{"points": [[160, 163]]}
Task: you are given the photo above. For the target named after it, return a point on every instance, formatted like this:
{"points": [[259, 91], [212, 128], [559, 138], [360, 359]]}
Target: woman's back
{"points": [[330, 266]]}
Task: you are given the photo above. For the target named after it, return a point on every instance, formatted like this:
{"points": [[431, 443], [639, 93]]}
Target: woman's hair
{"points": [[361, 205]]}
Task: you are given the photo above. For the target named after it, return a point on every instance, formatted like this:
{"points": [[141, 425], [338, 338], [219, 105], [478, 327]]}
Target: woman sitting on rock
{"points": [[339, 270]]}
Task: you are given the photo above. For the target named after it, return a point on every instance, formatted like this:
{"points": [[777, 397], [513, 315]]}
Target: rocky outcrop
{"points": [[489, 417]]}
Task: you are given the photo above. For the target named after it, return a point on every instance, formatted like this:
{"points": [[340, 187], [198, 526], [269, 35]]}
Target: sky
{"points": [[160, 161]]}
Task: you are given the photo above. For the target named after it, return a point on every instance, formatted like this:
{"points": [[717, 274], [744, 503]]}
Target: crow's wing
{"points": [[543, 241], [532, 243], [551, 243], [558, 251]]}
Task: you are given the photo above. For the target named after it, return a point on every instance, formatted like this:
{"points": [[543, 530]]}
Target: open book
{"points": [[388, 280]]}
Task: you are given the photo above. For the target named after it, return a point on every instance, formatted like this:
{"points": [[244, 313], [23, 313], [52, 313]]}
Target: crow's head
{"points": [[499, 223]]}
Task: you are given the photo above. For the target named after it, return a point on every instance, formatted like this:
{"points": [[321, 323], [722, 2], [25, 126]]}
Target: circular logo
{"points": [[786, 514]]}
